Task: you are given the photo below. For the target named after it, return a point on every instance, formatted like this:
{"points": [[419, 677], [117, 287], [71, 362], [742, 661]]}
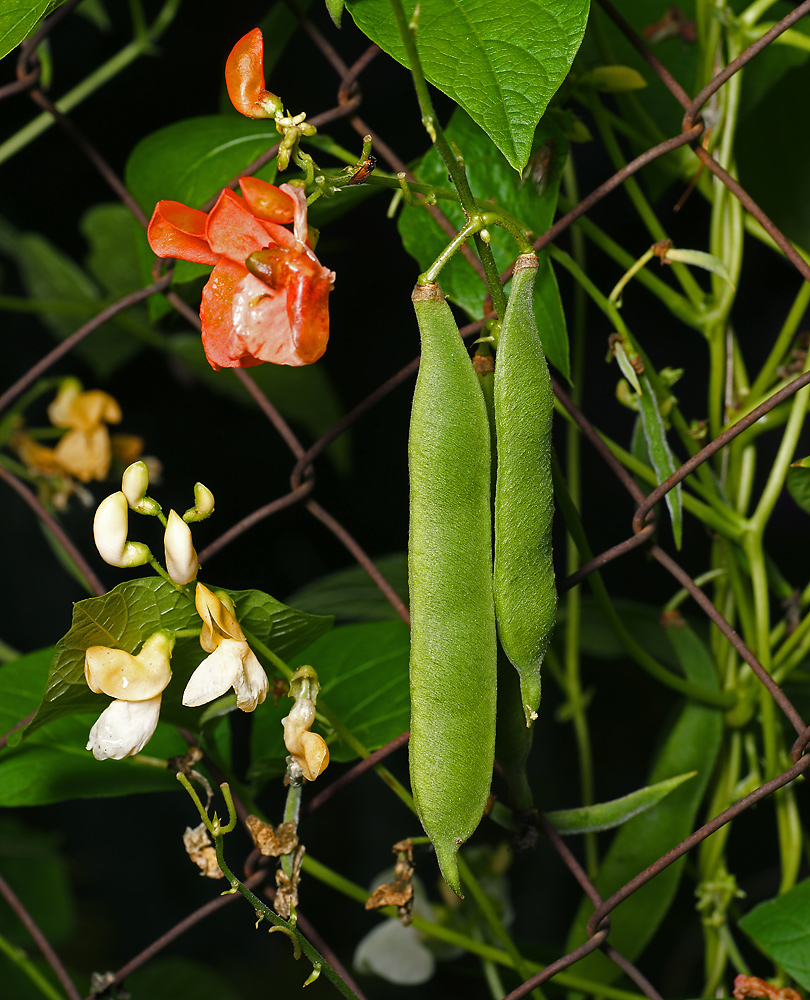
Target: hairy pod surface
{"points": [[453, 636], [524, 587]]}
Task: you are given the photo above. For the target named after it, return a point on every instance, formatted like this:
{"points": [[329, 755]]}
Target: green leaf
{"points": [[191, 161], [179, 978], [335, 10], [532, 200], [691, 745], [110, 231], [363, 671], [599, 640], [305, 396], [781, 928], [53, 765], [351, 595], [33, 864], [699, 258], [798, 483], [661, 456], [606, 815], [132, 611], [17, 20], [49, 275], [502, 63]]}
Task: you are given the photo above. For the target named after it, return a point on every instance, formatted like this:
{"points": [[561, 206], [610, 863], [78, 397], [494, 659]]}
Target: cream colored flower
{"points": [[137, 684], [110, 528], [231, 664], [181, 559], [84, 451], [308, 750]]}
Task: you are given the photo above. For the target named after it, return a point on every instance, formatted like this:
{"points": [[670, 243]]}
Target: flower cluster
{"points": [[137, 682], [266, 299]]}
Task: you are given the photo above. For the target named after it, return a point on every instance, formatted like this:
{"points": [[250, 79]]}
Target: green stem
{"points": [[459, 940], [26, 966], [682, 273], [455, 167], [719, 699], [292, 810], [288, 927], [140, 46], [484, 904]]}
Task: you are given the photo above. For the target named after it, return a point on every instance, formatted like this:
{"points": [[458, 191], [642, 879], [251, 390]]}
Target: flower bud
{"points": [[203, 504], [181, 559], [134, 484], [110, 527]]}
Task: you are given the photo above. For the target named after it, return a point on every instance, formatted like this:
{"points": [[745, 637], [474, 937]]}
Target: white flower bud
{"points": [[110, 527], [135, 482], [181, 559], [203, 504]]}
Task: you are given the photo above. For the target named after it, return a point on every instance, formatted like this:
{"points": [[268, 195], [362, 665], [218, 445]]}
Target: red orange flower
{"points": [[244, 78], [266, 299]]}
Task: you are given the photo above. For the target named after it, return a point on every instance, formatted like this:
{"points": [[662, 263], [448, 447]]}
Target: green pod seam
{"points": [[524, 587], [453, 634]]}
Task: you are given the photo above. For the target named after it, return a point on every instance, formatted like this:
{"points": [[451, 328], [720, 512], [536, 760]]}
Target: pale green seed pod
{"points": [[453, 638], [524, 587]]}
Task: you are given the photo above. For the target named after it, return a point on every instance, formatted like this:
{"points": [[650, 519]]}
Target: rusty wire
{"points": [[302, 476]]}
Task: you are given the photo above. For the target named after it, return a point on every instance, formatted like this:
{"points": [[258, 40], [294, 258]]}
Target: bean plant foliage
{"points": [[325, 612]]}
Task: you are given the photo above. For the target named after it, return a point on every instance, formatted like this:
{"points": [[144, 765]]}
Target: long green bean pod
{"points": [[453, 635], [524, 588]]}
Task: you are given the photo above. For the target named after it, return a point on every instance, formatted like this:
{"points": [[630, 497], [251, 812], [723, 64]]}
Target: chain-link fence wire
{"points": [[303, 482]]}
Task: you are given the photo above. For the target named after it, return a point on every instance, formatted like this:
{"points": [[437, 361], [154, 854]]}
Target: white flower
{"points": [[181, 559], [137, 684], [232, 663], [124, 728], [110, 527]]}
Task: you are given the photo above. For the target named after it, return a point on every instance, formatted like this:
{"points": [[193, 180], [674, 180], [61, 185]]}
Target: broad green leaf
{"points": [[781, 928], [304, 396], [17, 20], [179, 978], [661, 456], [606, 815], [32, 863], [691, 745], [335, 9], [53, 765], [128, 614], [363, 671], [532, 200], [501, 63], [351, 595], [191, 161], [51, 276], [699, 258], [110, 231], [798, 483]]}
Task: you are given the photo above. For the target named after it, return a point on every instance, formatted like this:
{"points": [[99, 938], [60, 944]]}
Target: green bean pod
{"points": [[524, 588], [453, 635]]}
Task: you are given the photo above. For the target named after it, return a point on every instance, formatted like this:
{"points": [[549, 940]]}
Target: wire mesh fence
{"points": [[304, 490]]}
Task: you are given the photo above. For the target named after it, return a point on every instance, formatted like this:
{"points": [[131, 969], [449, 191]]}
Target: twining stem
{"points": [[217, 832], [25, 965], [455, 167]]}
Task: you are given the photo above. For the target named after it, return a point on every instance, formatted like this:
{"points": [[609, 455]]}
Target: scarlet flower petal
{"points": [[232, 231], [216, 312], [266, 201], [244, 77], [175, 230]]}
